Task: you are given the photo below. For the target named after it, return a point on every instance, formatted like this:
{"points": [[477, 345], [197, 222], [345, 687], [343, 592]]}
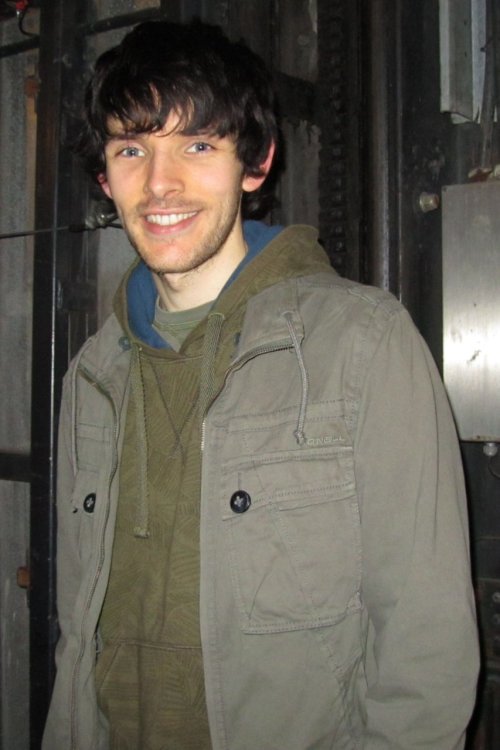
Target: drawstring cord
{"points": [[207, 375], [299, 430], [215, 323], [207, 388], [141, 528]]}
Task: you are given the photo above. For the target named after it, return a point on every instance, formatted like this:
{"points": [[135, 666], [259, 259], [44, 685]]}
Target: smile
{"points": [[168, 220]]}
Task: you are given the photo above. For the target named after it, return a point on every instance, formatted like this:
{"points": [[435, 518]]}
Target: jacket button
{"points": [[240, 501], [89, 503]]}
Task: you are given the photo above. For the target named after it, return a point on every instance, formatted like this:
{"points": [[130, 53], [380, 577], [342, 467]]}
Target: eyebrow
{"points": [[130, 135], [206, 132], [125, 136]]}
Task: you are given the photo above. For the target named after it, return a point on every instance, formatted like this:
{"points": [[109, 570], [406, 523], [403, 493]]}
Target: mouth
{"points": [[169, 220]]}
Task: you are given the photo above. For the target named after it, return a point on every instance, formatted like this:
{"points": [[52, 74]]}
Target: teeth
{"points": [[168, 220]]}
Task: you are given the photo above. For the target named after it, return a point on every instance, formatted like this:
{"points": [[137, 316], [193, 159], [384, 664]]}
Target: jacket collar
{"points": [[265, 324], [105, 359]]}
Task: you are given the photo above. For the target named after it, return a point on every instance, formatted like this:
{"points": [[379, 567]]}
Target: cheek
{"points": [[120, 187], [225, 181]]}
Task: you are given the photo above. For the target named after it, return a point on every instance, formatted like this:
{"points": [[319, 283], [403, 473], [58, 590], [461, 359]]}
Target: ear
{"points": [[103, 182], [253, 182]]}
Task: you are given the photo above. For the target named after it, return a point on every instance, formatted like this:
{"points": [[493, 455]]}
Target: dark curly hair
{"points": [[213, 84]]}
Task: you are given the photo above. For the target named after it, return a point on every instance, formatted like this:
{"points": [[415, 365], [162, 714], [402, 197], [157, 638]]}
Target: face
{"points": [[178, 196]]}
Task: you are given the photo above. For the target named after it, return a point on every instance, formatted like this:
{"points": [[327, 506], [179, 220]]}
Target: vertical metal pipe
{"points": [[54, 185], [384, 143]]}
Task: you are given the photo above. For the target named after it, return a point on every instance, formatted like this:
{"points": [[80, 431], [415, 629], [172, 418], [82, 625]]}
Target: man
{"points": [[262, 537]]}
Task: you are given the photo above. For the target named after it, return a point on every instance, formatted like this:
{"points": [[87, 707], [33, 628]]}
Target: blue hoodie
{"points": [[142, 292]]}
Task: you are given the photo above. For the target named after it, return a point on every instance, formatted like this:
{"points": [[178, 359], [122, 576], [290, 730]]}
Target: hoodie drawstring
{"points": [[141, 528], [299, 430], [215, 322], [207, 392]]}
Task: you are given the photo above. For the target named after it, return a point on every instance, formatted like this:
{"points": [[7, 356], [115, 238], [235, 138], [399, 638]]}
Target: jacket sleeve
{"points": [[422, 655], [68, 573], [68, 561]]}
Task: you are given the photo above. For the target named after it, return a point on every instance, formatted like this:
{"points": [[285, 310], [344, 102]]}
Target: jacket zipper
{"points": [[114, 465]]}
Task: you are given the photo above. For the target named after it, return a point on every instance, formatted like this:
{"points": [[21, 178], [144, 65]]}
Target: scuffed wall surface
{"points": [[17, 128], [14, 618], [15, 257]]}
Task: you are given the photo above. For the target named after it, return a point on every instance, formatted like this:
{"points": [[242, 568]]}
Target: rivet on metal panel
{"points": [[490, 449], [428, 202]]}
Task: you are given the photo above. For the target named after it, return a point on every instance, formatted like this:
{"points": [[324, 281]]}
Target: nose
{"points": [[164, 176]]}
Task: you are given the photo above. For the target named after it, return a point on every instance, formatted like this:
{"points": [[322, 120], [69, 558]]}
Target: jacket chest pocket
{"points": [[92, 454], [291, 526]]}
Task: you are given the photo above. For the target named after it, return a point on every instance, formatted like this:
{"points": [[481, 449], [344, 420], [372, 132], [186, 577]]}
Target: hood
{"points": [[288, 252], [136, 296]]}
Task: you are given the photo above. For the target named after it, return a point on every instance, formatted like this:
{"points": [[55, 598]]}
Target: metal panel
{"points": [[456, 57], [462, 25], [471, 310]]}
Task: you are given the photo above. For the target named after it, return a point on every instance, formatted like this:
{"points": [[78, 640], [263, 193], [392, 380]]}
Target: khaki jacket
{"points": [[336, 604]]}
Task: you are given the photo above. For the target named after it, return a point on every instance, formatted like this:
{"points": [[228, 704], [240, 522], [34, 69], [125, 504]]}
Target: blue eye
{"points": [[131, 151], [200, 147]]}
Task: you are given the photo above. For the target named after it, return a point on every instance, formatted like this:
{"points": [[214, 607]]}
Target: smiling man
{"points": [[262, 531], [178, 197]]}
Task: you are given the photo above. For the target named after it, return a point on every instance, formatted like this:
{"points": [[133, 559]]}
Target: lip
{"points": [[158, 222], [169, 220]]}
